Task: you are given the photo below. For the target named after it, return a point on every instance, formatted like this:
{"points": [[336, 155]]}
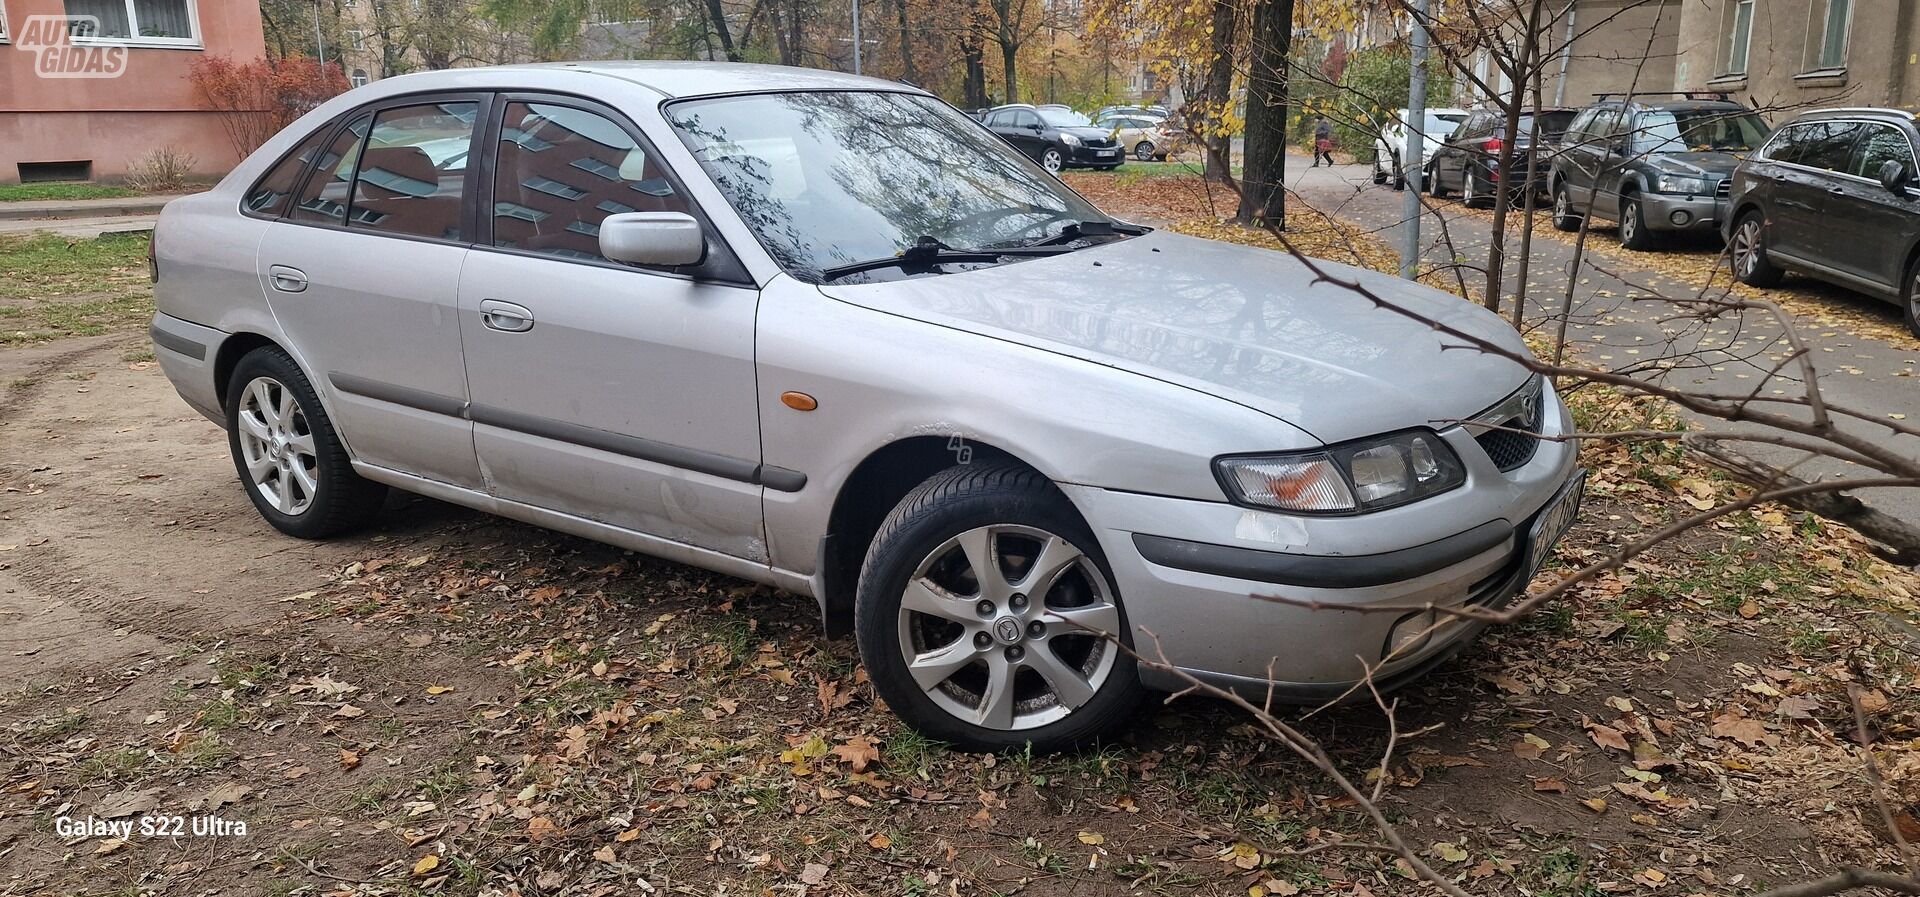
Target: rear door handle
{"points": [[505, 316], [285, 279]]}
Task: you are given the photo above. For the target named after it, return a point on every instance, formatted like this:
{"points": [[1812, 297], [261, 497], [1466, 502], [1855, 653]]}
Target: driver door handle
{"points": [[505, 316]]}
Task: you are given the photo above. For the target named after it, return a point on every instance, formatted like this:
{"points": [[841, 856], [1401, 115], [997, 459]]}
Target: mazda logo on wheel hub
{"points": [[1007, 630]]}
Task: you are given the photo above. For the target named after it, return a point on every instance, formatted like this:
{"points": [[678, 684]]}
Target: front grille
{"points": [[1100, 142], [1723, 189], [1516, 416]]}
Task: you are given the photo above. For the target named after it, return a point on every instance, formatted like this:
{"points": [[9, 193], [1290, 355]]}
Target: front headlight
{"points": [[1069, 140], [1673, 183], [1355, 477]]}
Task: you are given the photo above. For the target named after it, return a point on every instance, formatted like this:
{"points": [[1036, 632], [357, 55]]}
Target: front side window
{"points": [[1828, 144], [160, 21], [1697, 130], [414, 170], [561, 171], [268, 197], [325, 197], [1878, 146], [1739, 31], [1827, 34], [1025, 119], [1787, 145], [830, 178]]}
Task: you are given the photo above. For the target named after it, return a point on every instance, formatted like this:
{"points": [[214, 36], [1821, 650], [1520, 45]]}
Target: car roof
{"points": [[669, 78], [1859, 112]]}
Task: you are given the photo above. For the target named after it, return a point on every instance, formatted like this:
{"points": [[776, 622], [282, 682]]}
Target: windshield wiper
{"points": [[1080, 229], [926, 252]]}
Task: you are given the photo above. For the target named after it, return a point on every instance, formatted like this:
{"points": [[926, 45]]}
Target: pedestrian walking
{"points": [[1322, 141]]}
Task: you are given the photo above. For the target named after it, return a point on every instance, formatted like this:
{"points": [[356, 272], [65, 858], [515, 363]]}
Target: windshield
{"points": [[1698, 131], [1064, 118], [829, 178]]}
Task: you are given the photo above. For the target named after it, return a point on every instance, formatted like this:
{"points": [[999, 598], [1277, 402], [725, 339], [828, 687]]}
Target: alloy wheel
{"points": [[1562, 206], [1000, 627], [1629, 221], [1469, 194], [1051, 160], [1143, 151], [276, 444], [1746, 248]]}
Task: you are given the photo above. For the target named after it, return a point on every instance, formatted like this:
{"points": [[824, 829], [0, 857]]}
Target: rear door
{"points": [[601, 390], [361, 276], [1805, 193], [1872, 228]]}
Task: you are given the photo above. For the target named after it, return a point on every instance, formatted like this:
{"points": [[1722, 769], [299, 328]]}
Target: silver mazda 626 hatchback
{"points": [[826, 333]]}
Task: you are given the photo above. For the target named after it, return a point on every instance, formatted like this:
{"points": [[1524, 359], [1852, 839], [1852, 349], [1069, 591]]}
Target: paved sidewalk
{"points": [[81, 228], [1619, 323], [85, 208]]}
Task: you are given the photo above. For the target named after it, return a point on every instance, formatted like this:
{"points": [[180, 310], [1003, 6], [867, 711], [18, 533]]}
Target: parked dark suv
{"points": [[1830, 196], [1654, 166], [1469, 161], [1055, 136]]}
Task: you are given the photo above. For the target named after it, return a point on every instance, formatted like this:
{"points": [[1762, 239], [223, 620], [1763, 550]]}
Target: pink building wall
{"points": [[115, 121]]}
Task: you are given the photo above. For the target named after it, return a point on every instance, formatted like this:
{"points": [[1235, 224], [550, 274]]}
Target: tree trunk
{"points": [[719, 18], [1009, 51], [973, 47], [1262, 184], [906, 44], [794, 33], [1218, 101], [779, 34]]}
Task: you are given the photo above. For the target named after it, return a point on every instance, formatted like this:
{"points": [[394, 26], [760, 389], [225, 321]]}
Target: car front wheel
{"points": [[1912, 303], [1143, 151], [1633, 225], [1051, 160], [293, 464], [1748, 252], [985, 615]]}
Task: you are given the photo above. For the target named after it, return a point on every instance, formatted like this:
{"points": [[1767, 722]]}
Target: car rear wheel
{"points": [[1051, 160], [1633, 225], [1564, 218], [292, 463], [1470, 195], [1435, 189], [1747, 253], [1399, 177], [1143, 151], [1379, 174], [980, 611]]}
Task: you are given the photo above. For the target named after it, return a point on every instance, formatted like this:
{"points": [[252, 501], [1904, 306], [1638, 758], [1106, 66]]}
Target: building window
{"points": [[356, 39], [1827, 35], [359, 78], [1739, 31], [138, 21]]}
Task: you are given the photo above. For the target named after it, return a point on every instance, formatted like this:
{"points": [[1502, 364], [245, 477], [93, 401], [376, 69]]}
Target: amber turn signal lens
{"points": [[798, 401]]}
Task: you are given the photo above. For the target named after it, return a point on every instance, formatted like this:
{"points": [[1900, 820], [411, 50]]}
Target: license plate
{"points": [[1106, 153], [1554, 521]]}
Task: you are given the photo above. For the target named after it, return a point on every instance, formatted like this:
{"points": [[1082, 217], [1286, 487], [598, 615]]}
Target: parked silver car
{"points": [[758, 320]]}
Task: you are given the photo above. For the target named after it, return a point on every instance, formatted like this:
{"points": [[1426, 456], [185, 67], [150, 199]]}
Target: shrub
{"points": [[161, 171], [255, 99]]}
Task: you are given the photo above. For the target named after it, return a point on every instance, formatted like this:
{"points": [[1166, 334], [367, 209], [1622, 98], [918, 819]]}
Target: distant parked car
{"points": [[1390, 147], [1469, 160], [1146, 139], [1832, 196], [1104, 113], [1056, 138], [1655, 166]]}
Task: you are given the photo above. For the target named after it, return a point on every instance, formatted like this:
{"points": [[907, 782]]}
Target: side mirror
{"points": [[653, 238], [1895, 177], [1034, 128]]}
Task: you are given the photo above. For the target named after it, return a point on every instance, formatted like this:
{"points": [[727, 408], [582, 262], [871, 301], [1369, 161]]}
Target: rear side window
{"points": [[1878, 146], [561, 171], [1828, 144], [269, 196], [324, 199], [413, 171]]}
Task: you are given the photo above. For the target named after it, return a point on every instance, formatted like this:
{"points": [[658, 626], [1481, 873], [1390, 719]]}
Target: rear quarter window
{"points": [[268, 197]]}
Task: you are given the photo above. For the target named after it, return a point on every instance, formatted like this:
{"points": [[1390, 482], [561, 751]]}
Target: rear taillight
{"points": [[1495, 145]]}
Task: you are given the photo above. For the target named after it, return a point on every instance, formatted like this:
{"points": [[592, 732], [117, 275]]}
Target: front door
{"points": [[1804, 192], [601, 390], [361, 277], [1872, 227]]}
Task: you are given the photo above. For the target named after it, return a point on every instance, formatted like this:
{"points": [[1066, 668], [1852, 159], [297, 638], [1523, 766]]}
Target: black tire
{"points": [[1435, 188], [1053, 160], [1912, 299], [952, 502], [1143, 151], [1379, 174], [341, 500], [1471, 195], [1564, 218], [1757, 271], [1399, 178], [1633, 224]]}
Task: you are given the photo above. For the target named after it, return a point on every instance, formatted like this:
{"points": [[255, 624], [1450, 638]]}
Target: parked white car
{"points": [[1390, 147], [754, 319]]}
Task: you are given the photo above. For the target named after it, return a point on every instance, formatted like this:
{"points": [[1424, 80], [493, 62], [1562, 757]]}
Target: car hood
{"points": [[1247, 325], [1088, 133], [1697, 163]]}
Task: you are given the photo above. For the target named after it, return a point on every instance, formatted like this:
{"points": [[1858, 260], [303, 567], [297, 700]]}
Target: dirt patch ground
{"points": [[451, 703]]}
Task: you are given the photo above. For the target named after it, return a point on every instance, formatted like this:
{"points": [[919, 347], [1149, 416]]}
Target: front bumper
{"points": [[1090, 155], [1191, 573], [1676, 212]]}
